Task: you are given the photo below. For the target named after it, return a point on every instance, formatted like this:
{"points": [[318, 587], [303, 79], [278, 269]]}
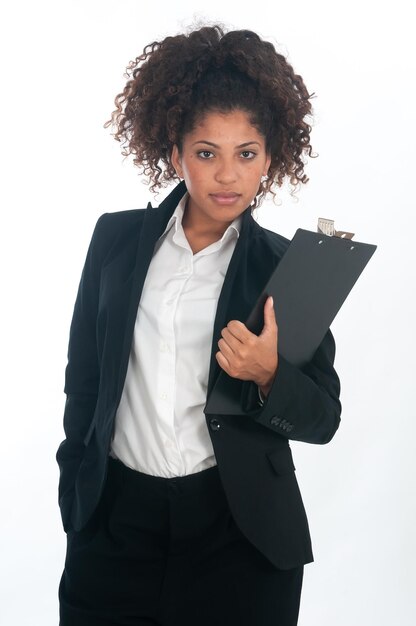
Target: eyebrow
{"points": [[214, 145]]}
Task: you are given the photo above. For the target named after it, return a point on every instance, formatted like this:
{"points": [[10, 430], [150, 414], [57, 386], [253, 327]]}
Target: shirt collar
{"points": [[176, 218]]}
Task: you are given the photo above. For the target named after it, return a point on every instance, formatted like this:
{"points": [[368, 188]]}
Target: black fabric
{"points": [[166, 551], [252, 449]]}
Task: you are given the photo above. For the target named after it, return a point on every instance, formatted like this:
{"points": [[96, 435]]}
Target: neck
{"points": [[201, 228]]}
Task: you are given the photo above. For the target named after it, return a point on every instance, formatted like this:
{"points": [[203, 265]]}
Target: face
{"points": [[222, 162]]}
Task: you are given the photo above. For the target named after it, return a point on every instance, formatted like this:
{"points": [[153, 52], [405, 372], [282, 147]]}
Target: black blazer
{"points": [[252, 449]]}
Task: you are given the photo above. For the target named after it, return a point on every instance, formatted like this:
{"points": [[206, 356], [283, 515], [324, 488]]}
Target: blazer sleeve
{"points": [[82, 373], [303, 403]]}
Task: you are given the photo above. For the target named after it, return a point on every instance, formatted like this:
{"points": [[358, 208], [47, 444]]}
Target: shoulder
{"points": [[268, 239], [114, 229], [120, 220]]}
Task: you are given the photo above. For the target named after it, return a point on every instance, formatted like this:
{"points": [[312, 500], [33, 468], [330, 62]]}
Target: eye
{"points": [[249, 152], [205, 152]]}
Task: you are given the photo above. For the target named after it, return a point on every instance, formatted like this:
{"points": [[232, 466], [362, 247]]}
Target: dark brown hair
{"points": [[173, 83]]}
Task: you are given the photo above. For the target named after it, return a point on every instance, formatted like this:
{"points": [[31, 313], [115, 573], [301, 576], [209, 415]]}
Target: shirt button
{"points": [[214, 424], [163, 395]]}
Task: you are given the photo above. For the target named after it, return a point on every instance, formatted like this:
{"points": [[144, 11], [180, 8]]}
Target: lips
{"points": [[225, 198], [225, 194]]}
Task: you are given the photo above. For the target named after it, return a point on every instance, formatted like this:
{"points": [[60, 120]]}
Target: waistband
{"points": [[191, 483]]}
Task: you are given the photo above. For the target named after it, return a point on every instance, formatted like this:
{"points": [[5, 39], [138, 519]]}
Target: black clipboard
{"points": [[309, 286]]}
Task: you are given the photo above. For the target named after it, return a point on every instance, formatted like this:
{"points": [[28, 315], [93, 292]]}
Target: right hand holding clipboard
{"points": [[244, 355]]}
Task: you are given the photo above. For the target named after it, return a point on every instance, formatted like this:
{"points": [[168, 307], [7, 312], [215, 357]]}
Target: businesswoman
{"points": [[174, 515]]}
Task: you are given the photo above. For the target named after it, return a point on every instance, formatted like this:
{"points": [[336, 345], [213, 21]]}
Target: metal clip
{"points": [[326, 227]]}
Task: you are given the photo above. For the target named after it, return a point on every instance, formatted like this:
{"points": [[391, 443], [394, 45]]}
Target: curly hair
{"points": [[173, 83]]}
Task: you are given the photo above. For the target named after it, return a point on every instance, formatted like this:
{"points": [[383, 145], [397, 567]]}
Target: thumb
{"points": [[269, 316]]}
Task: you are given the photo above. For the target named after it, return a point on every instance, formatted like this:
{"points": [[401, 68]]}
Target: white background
{"points": [[62, 65]]}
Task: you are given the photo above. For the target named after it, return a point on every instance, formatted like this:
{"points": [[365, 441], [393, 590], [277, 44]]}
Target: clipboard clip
{"points": [[327, 227]]}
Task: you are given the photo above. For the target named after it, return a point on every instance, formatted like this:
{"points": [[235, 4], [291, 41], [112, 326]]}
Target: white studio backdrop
{"points": [[62, 65]]}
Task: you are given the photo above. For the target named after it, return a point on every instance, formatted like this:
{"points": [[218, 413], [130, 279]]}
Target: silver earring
{"points": [[264, 178]]}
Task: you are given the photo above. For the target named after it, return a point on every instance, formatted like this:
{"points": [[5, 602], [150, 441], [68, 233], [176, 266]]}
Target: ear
{"points": [[267, 164], [176, 161]]}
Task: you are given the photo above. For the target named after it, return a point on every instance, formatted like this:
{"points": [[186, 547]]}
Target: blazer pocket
{"points": [[281, 460]]}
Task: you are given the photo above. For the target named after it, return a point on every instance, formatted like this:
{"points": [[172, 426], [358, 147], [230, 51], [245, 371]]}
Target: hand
{"points": [[247, 356]]}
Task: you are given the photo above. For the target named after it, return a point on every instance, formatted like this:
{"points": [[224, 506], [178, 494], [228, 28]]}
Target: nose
{"points": [[225, 173]]}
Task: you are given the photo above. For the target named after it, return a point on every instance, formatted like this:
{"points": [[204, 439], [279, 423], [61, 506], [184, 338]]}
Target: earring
{"points": [[264, 178]]}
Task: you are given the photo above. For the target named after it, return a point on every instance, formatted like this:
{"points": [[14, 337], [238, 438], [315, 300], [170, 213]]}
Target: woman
{"points": [[173, 516]]}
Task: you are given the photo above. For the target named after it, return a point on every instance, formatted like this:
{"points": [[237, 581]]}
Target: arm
{"points": [[82, 373], [302, 403]]}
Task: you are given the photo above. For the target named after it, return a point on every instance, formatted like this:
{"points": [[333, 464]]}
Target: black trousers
{"points": [[166, 551]]}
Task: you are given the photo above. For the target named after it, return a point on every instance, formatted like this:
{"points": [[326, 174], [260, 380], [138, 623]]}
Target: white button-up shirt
{"points": [[160, 425]]}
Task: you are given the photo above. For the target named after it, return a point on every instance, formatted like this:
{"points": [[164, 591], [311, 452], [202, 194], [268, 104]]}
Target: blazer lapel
{"points": [[248, 271], [232, 302], [155, 221]]}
